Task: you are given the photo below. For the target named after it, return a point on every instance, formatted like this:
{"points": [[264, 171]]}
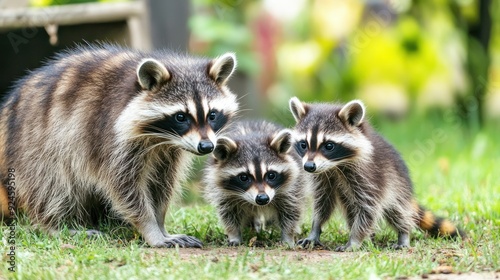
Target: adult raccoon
{"points": [[104, 127], [355, 168]]}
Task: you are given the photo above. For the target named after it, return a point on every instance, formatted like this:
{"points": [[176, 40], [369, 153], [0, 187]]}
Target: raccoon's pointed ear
{"points": [[353, 112], [151, 73], [298, 109], [282, 142], [221, 68], [224, 148]]}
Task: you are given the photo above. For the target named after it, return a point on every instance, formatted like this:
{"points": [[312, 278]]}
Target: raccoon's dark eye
{"points": [[303, 145], [180, 117], [271, 175], [329, 146], [212, 115], [216, 119], [275, 179], [243, 177]]}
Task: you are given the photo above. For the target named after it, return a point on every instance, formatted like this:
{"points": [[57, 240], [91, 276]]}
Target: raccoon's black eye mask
{"points": [[336, 151], [216, 120], [178, 123], [301, 147], [243, 181], [274, 179], [240, 182]]}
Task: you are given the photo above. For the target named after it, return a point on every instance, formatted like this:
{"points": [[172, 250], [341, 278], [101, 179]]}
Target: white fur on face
{"points": [[251, 194]]}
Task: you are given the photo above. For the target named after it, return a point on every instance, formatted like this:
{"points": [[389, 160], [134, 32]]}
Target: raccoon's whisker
{"points": [[235, 118], [221, 131], [149, 148], [239, 97], [158, 135], [227, 127], [218, 133], [238, 116], [243, 110], [163, 132]]}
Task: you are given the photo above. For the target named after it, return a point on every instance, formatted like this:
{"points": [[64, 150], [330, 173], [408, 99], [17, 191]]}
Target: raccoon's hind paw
{"points": [[181, 240], [286, 245], [233, 243], [309, 243]]}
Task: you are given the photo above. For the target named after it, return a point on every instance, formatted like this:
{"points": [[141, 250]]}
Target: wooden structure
{"points": [[28, 35], [134, 13]]}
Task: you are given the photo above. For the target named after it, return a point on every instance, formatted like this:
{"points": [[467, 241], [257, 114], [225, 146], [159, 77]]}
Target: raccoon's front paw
{"points": [[344, 248], [352, 245], [349, 247], [399, 246], [181, 240], [309, 243]]}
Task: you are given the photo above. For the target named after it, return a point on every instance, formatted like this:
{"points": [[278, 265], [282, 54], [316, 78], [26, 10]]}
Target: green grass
{"points": [[455, 174]]}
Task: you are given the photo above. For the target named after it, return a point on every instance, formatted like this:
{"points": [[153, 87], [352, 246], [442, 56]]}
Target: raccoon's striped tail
{"points": [[436, 226]]}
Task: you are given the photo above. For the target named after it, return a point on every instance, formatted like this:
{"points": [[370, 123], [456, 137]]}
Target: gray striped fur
{"points": [[95, 132]]}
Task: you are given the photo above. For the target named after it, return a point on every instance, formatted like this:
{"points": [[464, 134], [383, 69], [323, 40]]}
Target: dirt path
{"points": [[302, 255], [305, 257], [459, 276]]}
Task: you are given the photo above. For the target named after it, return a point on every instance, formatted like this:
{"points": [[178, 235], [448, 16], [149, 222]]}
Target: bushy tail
{"points": [[436, 226]]}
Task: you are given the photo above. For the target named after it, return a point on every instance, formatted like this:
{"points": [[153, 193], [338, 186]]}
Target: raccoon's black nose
{"points": [[205, 147], [262, 199], [310, 166]]}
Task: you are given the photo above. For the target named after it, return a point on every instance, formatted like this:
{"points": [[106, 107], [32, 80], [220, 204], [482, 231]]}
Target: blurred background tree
{"points": [[398, 56]]}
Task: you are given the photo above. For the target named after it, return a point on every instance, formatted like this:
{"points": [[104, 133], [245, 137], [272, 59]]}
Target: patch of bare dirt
{"points": [[458, 276], [306, 256]]}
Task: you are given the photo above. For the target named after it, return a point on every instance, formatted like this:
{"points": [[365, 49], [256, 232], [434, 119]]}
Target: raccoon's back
{"points": [[388, 167], [67, 106], [94, 78]]}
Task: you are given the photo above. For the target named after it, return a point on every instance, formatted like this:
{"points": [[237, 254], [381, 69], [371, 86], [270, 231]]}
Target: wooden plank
{"points": [[70, 14]]}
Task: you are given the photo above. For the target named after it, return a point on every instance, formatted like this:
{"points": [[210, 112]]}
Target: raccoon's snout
{"points": [[205, 147], [310, 166], [262, 199]]}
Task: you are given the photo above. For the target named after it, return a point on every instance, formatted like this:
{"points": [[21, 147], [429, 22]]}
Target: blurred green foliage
{"points": [[395, 55], [218, 27]]}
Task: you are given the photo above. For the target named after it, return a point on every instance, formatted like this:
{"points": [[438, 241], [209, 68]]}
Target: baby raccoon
{"points": [[355, 168], [107, 129], [254, 178]]}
